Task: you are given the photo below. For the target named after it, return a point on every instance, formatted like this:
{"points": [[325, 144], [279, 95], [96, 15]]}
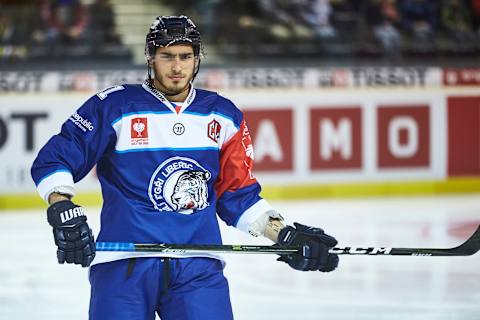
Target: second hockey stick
{"points": [[468, 248]]}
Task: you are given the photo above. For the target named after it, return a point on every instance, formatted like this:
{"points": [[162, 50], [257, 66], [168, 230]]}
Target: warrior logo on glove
{"points": [[71, 214], [72, 235], [179, 185]]}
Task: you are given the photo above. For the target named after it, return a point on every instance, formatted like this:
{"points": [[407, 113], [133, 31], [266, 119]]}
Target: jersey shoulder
{"points": [[109, 103], [122, 92], [207, 102], [119, 96]]}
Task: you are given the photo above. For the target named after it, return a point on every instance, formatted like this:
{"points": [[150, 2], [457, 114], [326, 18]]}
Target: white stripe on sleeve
{"points": [[59, 181]]}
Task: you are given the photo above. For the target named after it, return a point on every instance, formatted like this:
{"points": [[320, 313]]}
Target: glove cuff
{"points": [[65, 212]]}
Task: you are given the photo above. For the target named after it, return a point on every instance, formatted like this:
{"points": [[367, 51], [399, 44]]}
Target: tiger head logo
{"points": [[179, 185], [190, 191]]}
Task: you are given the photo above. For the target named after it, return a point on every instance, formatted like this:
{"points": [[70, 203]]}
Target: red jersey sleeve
{"points": [[236, 162]]}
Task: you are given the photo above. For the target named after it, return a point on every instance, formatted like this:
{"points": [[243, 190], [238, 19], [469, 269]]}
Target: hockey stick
{"points": [[469, 247]]}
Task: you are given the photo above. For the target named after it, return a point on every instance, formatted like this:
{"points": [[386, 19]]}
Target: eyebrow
{"points": [[174, 54]]}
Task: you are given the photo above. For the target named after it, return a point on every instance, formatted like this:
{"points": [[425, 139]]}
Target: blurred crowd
{"points": [[390, 27], [54, 28], [57, 28]]}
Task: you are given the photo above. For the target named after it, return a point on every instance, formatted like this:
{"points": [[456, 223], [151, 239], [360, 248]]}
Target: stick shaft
{"points": [[192, 248], [469, 247]]}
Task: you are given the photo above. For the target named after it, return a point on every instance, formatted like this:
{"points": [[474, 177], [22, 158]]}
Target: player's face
{"points": [[173, 67]]}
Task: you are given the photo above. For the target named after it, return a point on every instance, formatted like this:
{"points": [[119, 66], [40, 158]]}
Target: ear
{"points": [[196, 64], [150, 58], [150, 61]]}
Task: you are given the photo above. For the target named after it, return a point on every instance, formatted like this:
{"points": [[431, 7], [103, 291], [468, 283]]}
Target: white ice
{"points": [[34, 286]]}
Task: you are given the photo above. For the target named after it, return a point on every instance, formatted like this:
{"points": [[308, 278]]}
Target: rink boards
{"points": [[308, 143]]}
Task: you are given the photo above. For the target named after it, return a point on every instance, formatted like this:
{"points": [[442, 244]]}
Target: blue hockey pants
{"points": [[175, 289]]}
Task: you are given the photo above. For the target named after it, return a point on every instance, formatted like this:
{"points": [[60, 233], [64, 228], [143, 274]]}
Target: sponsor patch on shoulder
{"points": [[83, 123]]}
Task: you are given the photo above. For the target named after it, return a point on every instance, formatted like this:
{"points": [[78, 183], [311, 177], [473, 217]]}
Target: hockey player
{"points": [[170, 158]]}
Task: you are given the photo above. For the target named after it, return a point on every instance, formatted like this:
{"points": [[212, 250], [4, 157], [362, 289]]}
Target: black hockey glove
{"points": [[314, 245], [72, 235]]}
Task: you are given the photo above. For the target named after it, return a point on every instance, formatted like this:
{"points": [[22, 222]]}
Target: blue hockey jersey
{"points": [[165, 170]]}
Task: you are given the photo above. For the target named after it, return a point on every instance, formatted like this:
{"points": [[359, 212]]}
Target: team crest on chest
{"points": [[139, 131], [179, 185], [214, 129]]}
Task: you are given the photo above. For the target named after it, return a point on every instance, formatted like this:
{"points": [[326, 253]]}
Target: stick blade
{"points": [[471, 246]]}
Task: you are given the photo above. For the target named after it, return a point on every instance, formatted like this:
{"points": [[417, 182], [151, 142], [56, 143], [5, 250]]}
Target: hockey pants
{"points": [[175, 289]]}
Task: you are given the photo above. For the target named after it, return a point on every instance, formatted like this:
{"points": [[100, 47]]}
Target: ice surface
{"points": [[34, 286]]}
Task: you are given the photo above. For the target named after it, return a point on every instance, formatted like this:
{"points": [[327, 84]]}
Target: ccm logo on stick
{"points": [[359, 250]]}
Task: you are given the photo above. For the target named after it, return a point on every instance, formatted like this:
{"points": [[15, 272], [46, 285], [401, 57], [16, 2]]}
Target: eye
{"points": [[185, 56], [166, 56]]}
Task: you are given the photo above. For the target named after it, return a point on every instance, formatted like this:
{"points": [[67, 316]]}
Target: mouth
{"points": [[176, 77]]}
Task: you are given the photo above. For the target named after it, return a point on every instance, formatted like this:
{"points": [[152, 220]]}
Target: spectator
{"points": [[382, 17], [457, 20], [101, 27], [475, 5], [16, 22], [7, 27], [282, 18], [346, 18], [241, 23], [65, 20], [316, 14], [419, 18], [16, 25]]}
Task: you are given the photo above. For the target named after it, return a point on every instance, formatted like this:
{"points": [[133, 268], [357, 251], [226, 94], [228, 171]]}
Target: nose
{"points": [[176, 65]]}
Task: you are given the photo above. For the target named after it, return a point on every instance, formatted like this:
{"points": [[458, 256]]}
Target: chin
{"points": [[172, 88], [178, 88], [175, 90]]}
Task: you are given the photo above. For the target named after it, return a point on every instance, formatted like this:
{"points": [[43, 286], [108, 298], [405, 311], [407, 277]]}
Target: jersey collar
{"points": [[157, 94]]}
